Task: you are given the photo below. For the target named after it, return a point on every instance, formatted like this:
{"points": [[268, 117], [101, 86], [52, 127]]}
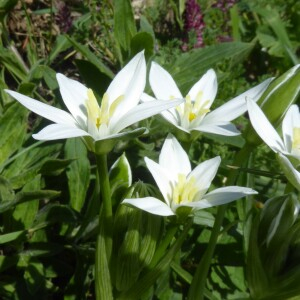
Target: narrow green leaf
{"points": [[22, 197], [61, 44], [273, 19], [12, 236], [188, 67], [13, 63], [13, 126], [78, 172], [91, 57], [124, 24]]}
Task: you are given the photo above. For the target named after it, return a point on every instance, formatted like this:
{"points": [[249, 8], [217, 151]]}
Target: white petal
{"points": [[204, 174], [49, 112], [162, 83], [151, 205], [58, 131], [226, 129], [208, 85], [221, 196], [130, 83], [237, 106], [173, 158], [264, 128], [290, 121], [74, 95], [141, 112], [289, 171], [161, 178], [170, 114]]}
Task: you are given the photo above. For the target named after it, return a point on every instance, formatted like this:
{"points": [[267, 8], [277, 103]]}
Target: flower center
{"points": [[296, 141], [192, 110], [184, 191], [100, 115]]}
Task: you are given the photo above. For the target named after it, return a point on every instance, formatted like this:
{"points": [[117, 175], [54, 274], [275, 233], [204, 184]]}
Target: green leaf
{"points": [[22, 197], [273, 19], [188, 67], [12, 236], [78, 172], [54, 213], [124, 24], [91, 57], [145, 26], [93, 77], [13, 63], [25, 213], [142, 41], [34, 276], [61, 44], [7, 261], [53, 167], [43, 72], [13, 126]]}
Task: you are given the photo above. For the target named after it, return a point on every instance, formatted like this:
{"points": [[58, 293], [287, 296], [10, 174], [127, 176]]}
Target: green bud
{"points": [[273, 268]]}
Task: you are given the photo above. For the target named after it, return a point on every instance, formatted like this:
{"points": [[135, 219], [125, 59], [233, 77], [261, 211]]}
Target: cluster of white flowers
{"points": [[124, 104]]}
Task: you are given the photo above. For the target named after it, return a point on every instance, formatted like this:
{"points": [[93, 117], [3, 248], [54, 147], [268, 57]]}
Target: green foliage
{"points": [[50, 200]]}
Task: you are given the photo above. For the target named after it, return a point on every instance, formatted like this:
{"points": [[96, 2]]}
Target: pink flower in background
{"points": [[193, 21]]}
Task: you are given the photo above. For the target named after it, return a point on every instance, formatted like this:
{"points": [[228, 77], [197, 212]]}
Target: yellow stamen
{"points": [[184, 191], [296, 140]]}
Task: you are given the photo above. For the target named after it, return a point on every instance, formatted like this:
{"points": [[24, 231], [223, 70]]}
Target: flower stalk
{"points": [[105, 230]]}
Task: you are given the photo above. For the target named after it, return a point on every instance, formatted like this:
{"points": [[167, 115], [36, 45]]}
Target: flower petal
{"points": [[170, 115], [204, 174], [74, 95], [151, 205], [173, 158], [130, 83], [58, 131], [161, 178], [291, 120], [237, 106], [289, 171], [141, 112], [221, 196], [49, 112], [264, 128], [162, 83], [208, 85], [226, 129]]}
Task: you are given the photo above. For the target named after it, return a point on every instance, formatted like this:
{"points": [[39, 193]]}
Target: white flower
{"points": [[119, 107], [195, 114], [183, 187], [288, 148]]}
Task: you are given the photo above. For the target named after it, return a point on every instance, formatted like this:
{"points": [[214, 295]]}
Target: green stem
{"points": [[104, 238], [197, 288]]}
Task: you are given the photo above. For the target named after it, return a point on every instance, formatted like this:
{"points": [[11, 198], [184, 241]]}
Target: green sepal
{"points": [[104, 146]]}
